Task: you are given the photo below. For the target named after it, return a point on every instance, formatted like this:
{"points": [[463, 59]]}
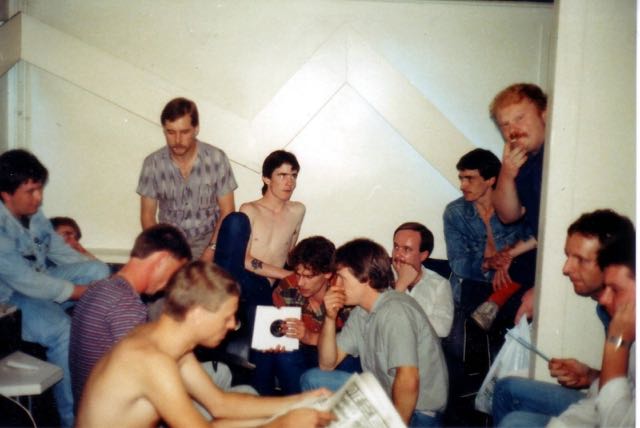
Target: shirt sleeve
{"points": [[441, 311], [147, 183], [461, 253], [400, 336], [616, 404], [19, 275], [285, 291], [226, 182], [60, 253], [347, 339]]}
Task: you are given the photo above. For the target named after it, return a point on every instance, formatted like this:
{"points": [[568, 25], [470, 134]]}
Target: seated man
{"points": [[387, 329], [38, 271], [483, 252], [69, 230], [312, 262], [152, 374], [412, 245], [111, 308], [254, 243], [585, 238], [610, 401]]}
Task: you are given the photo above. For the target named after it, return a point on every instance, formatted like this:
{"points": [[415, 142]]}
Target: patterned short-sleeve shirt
{"points": [[191, 204]]}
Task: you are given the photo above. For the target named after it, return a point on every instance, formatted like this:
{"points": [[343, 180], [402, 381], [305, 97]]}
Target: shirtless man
{"points": [[275, 219], [152, 374], [253, 244]]}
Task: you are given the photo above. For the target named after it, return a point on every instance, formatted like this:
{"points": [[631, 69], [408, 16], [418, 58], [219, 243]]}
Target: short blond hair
{"points": [[198, 284]]}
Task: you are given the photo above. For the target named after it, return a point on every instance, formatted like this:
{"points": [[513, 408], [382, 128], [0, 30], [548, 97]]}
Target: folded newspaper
{"points": [[360, 403]]}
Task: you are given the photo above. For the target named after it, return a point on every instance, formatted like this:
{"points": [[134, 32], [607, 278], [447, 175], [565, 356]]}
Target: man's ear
{"points": [[194, 314], [492, 182], [197, 130], [424, 255], [543, 115]]}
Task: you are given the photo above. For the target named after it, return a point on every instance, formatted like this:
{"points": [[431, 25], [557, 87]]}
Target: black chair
{"points": [[439, 266]]}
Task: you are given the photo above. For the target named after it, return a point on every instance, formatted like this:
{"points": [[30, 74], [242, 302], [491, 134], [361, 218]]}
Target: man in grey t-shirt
{"points": [[188, 183], [388, 330]]}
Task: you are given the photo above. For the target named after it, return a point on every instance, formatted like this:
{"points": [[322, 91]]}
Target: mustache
{"points": [[517, 135]]}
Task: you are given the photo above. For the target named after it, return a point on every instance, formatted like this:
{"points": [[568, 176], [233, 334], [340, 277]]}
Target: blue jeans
{"points": [[46, 323], [287, 367], [333, 381], [525, 420], [534, 401]]}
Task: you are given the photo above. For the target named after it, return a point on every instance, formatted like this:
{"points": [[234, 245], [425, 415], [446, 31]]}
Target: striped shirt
{"points": [[106, 312]]}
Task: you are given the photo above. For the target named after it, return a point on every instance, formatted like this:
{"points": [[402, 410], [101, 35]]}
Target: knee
{"points": [[309, 379], [235, 223], [504, 387], [500, 388]]}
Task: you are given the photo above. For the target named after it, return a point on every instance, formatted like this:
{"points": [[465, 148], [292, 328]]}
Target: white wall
{"points": [[590, 160], [377, 99]]}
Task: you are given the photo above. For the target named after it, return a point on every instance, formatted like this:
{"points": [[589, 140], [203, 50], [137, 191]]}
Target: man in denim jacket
{"points": [[482, 255], [38, 271]]}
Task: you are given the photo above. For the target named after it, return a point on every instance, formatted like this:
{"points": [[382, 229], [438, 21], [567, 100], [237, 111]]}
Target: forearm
{"points": [[257, 266], [253, 407], [404, 393], [522, 247], [148, 209], [327, 346], [505, 200], [615, 362], [148, 221], [26, 280]]}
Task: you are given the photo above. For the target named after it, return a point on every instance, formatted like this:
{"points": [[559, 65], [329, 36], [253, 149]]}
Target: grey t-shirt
{"points": [[397, 333]]}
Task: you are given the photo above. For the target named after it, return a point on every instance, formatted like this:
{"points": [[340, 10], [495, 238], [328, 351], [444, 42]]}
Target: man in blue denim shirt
{"points": [[478, 246], [38, 271], [478, 243]]}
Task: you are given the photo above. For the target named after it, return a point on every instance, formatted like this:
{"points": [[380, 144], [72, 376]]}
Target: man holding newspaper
{"points": [[388, 330]]}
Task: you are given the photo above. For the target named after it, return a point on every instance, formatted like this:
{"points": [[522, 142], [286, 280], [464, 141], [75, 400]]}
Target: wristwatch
{"points": [[618, 341]]}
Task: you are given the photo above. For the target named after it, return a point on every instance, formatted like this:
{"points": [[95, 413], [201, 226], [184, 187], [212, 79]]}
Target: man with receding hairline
{"points": [[188, 183], [112, 307], [412, 245]]}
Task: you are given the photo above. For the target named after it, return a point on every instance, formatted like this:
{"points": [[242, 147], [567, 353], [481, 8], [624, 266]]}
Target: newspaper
{"points": [[360, 403]]}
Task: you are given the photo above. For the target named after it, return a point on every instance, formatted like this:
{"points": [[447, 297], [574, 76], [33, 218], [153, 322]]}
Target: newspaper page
{"points": [[360, 403]]}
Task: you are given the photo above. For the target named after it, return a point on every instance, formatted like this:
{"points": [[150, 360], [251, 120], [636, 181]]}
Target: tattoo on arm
{"points": [[256, 264]]}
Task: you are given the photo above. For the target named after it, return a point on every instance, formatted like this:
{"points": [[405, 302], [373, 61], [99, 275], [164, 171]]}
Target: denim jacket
{"points": [[24, 253], [466, 237]]}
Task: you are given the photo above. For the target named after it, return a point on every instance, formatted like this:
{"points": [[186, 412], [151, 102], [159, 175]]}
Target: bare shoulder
{"points": [[249, 208], [297, 208]]}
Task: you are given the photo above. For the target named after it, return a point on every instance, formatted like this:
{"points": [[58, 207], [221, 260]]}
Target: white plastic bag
{"points": [[512, 360]]}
